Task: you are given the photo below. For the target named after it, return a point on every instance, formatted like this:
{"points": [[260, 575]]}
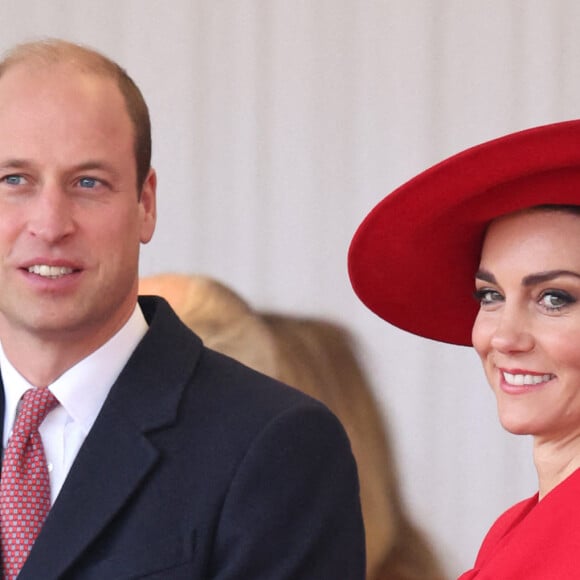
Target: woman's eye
{"points": [[555, 300], [488, 296]]}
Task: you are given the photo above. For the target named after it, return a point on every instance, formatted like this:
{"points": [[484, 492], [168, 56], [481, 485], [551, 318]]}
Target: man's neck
{"points": [[43, 358]]}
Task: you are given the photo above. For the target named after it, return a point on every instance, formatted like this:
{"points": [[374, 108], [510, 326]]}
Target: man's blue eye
{"points": [[13, 179], [88, 182]]}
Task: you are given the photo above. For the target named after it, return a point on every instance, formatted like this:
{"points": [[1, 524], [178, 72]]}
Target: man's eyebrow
{"points": [[531, 279], [94, 164], [15, 163], [91, 164]]}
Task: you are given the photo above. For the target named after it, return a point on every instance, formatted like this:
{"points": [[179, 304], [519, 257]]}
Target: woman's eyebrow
{"points": [[540, 277], [530, 279], [485, 276]]}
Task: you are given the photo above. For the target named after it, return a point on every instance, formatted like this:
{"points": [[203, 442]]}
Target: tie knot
{"points": [[34, 407]]}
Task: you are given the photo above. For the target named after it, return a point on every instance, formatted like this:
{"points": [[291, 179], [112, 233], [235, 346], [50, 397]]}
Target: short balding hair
{"points": [[56, 51]]}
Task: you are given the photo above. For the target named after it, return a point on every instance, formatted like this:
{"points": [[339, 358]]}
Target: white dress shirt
{"points": [[81, 392]]}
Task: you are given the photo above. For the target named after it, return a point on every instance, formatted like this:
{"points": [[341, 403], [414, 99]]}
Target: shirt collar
{"points": [[83, 388]]}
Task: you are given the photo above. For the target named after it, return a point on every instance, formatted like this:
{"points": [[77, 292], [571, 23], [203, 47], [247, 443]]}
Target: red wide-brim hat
{"points": [[413, 259]]}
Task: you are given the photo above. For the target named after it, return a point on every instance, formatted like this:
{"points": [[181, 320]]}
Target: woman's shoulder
{"points": [[504, 525]]}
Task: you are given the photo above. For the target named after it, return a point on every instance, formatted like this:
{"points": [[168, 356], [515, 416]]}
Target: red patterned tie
{"points": [[24, 486]]}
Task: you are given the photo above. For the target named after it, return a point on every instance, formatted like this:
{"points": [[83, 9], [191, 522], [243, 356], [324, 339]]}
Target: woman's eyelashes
{"points": [[555, 300], [551, 299], [487, 296]]}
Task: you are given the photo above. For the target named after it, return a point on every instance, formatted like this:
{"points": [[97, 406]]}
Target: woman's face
{"points": [[527, 331]]}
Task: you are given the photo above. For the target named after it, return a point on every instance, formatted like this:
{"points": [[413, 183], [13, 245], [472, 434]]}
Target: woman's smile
{"points": [[527, 330]]}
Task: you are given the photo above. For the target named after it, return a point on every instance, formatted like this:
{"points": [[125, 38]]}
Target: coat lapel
{"points": [[109, 468], [117, 453]]}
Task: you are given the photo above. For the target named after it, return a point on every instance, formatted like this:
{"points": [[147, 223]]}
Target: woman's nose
{"points": [[512, 332]]}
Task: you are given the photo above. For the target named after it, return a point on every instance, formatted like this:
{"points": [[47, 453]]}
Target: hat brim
{"points": [[413, 259]]}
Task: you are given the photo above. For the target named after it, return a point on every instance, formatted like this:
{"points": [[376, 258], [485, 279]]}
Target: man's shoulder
{"points": [[214, 382], [168, 334]]}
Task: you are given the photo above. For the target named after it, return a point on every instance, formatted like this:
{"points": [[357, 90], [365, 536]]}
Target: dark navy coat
{"points": [[199, 468]]}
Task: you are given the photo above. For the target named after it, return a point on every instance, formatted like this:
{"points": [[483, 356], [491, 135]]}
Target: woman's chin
{"points": [[518, 425]]}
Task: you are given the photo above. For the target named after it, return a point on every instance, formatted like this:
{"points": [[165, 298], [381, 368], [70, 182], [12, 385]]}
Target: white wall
{"points": [[279, 123]]}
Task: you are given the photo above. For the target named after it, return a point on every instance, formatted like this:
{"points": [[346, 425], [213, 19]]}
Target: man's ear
{"points": [[148, 206]]}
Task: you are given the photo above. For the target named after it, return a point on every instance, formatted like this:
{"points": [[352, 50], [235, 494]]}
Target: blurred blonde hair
{"points": [[319, 358]]}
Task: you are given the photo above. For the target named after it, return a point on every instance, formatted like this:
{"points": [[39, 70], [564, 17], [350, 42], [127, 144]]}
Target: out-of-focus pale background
{"points": [[279, 123]]}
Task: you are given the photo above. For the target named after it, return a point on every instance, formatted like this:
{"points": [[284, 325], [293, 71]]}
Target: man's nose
{"points": [[51, 213]]}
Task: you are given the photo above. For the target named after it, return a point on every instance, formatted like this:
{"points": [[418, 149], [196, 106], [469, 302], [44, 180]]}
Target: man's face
{"points": [[71, 219]]}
